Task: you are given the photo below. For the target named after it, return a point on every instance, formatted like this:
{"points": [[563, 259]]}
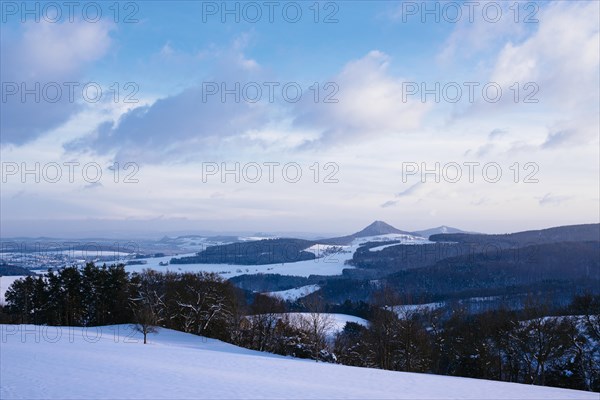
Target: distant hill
{"points": [[426, 233], [572, 264], [377, 228], [259, 252], [13, 270], [402, 257], [555, 271], [570, 233]]}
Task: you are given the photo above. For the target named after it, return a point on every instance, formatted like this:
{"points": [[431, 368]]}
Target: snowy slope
{"points": [[110, 362], [402, 310], [294, 294], [401, 238]]}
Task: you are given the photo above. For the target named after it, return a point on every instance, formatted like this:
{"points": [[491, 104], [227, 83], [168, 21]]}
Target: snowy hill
{"points": [[110, 362], [376, 229], [440, 229], [295, 293]]}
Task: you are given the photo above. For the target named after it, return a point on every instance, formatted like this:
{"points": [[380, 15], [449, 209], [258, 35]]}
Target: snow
{"points": [[331, 260], [329, 265], [338, 321], [335, 322], [399, 237], [401, 310], [321, 249], [379, 248], [111, 362], [295, 293], [92, 253]]}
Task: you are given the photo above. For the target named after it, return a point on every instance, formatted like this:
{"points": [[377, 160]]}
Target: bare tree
{"points": [[147, 302], [540, 341], [316, 323], [267, 311]]}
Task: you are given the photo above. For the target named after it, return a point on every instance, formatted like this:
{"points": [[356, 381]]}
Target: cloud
{"points": [[188, 123], [482, 150], [487, 148], [480, 201], [370, 103], [576, 131], [51, 49], [554, 63], [562, 59], [497, 133], [93, 185], [556, 56], [45, 53], [552, 200], [389, 203], [410, 191], [471, 38], [179, 125]]}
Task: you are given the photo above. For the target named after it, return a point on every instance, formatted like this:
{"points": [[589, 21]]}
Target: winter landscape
{"points": [[378, 199], [182, 366]]}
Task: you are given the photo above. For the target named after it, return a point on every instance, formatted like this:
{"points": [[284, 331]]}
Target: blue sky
{"points": [[374, 59]]}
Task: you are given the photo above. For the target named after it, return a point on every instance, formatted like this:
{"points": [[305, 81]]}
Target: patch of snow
{"points": [[295, 293], [401, 310], [399, 237], [40, 362], [256, 238], [335, 322], [90, 253], [320, 250]]}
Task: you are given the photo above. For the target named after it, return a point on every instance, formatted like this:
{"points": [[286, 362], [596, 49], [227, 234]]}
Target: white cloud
{"points": [[43, 53], [470, 38], [557, 65], [50, 49], [370, 103], [562, 56], [553, 200]]}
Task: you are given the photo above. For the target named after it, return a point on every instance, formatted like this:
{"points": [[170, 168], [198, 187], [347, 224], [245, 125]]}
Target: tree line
{"points": [[526, 346], [198, 303]]}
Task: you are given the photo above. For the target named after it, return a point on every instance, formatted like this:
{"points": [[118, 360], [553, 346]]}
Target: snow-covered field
{"points": [[389, 237], [402, 310], [403, 239], [111, 362], [329, 265], [294, 294]]}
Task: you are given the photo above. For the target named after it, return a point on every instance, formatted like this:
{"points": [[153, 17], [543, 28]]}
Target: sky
{"points": [[154, 117]]}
